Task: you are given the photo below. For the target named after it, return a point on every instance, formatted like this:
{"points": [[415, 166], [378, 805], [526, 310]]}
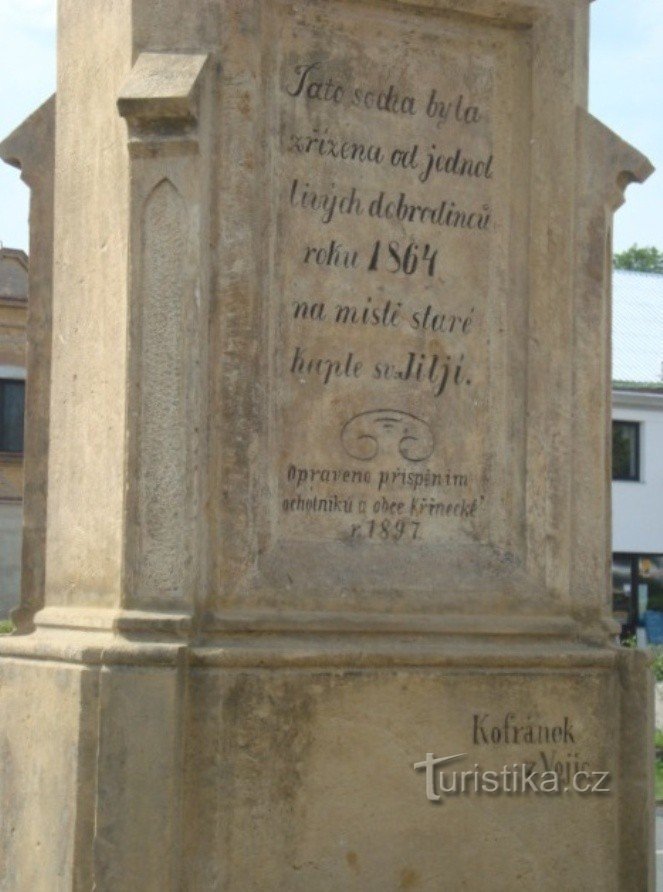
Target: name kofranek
{"points": [[509, 730]]}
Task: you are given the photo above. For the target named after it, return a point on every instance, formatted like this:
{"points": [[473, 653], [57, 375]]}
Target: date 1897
{"points": [[387, 531]]}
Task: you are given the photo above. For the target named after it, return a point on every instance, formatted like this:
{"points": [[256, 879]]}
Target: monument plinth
{"points": [[328, 490]]}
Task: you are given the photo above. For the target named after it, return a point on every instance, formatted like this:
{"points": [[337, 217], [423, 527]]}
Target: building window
{"points": [[12, 406], [625, 450]]}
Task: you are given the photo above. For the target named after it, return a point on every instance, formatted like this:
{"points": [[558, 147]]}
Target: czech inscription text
{"points": [[386, 173]]}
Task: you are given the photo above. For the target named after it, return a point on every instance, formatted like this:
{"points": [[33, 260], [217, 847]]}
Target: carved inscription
{"points": [[386, 172]]}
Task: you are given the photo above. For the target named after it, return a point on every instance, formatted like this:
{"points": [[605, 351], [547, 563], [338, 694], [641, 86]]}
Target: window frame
{"points": [[636, 478], [16, 380]]}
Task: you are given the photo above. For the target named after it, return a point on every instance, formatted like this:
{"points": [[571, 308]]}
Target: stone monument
{"points": [[325, 599]]}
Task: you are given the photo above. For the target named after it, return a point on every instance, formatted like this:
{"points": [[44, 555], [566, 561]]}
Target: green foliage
{"points": [[658, 766], [657, 663], [658, 781], [642, 260], [6, 627]]}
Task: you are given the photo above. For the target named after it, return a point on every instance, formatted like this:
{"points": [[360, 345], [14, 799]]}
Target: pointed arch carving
{"points": [[163, 410]]}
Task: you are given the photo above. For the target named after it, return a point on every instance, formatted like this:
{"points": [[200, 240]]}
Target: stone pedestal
{"points": [[328, 473]]}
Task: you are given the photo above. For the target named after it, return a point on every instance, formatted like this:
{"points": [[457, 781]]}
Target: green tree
{"points": [[642, 260]]}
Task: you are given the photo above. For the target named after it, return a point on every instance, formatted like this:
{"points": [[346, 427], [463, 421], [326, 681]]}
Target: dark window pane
{"points": [[625, 446], [12, 406]]}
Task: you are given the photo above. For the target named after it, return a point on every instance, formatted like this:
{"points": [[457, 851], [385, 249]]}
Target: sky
{"points": [[626, 93]]}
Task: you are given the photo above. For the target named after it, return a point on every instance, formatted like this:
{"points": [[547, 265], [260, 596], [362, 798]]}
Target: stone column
{"points": [[124, 544], [123, 566]]}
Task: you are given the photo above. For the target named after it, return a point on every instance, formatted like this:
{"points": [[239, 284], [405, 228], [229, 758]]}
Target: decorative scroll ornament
{"points": [[369, 434]]}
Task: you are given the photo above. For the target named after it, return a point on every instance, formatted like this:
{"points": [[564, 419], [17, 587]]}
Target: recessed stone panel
{"points": [[397, 310]]}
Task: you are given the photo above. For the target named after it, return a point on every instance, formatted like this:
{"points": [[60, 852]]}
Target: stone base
{"points": [[137, 766]]}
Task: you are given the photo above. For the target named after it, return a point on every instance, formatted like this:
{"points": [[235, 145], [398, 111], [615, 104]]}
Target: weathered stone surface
{"points": [[318, 786], [328, 470], [47, 717]]}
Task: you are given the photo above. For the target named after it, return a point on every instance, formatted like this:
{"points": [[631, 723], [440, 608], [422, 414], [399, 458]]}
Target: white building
{"points": [[637, 399]]}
